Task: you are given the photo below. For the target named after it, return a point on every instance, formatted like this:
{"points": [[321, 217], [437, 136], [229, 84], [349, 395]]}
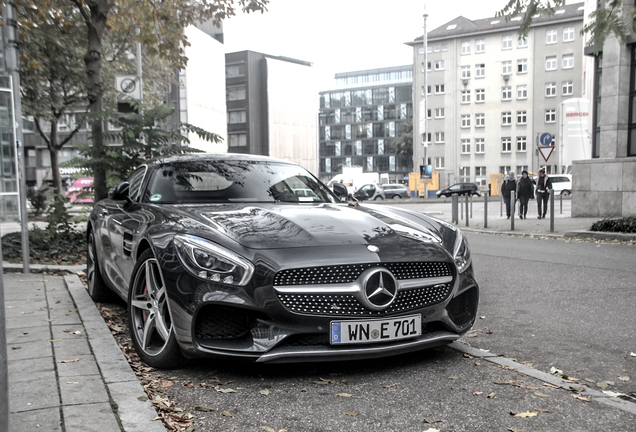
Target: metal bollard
{"points": [[454, 206], [471, 206], [501, 206], [513, 199], [461, 207], [561, 200], [466, 210], [485, 210], [551, 211]]}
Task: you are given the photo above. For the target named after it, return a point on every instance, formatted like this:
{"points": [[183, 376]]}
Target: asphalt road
{"points": [[548, 303]]}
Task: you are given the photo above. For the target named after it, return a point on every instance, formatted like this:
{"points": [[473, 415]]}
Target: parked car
{"points": [[369, 191], [459, 189], [561, 184], [217, 256], [396, 191]]}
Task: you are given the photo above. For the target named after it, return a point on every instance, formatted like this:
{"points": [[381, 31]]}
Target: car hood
{"points": [[275, 226]]}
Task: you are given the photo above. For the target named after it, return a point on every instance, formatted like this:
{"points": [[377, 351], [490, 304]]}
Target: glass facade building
{"points": [[360, 119], [9, 207]]}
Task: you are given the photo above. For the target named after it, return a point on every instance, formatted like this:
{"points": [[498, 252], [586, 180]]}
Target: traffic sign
{"points": [[546, 151], [546, 139]]}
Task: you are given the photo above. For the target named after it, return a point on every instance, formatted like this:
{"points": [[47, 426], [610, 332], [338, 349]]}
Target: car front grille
{"points": [[348, 273], [348, 305]]}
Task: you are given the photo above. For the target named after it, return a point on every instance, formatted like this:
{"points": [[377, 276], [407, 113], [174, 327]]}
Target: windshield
{"points": [[221, 181]]}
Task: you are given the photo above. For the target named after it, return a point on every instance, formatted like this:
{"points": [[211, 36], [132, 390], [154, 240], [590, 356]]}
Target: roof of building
{"points": [[462, 26]]}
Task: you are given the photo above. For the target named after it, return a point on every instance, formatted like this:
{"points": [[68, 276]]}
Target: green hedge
{"points": [[622, 225]]}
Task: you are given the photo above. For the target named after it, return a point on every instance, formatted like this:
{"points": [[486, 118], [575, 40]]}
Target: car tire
{"points": [[97, 288], [151, 328], [565, 193], [378, 198], [397, 197]]}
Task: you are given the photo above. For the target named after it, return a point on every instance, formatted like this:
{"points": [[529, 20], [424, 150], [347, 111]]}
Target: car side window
{"points": [[135, 180]]}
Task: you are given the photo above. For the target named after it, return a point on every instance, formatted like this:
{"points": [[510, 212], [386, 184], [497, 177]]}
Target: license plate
{"points": [[381, 330]]}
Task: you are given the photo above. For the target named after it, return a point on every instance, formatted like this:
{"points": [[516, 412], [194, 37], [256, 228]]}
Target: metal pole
{"points": [[467, 210], [4, 371], [501, 204], [552, 211], [512, 210], [454, 216], [485, 210], [424, 133], [10, 32], [461, 207], [561, 204], [141, 87], [471, 206]]}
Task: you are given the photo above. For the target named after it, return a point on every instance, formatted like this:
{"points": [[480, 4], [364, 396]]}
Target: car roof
{"points": [[198, 157]]}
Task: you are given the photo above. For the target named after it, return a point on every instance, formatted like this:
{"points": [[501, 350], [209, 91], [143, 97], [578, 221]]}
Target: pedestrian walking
{"points": [[544, 188], [525, 192], [509, 185]]}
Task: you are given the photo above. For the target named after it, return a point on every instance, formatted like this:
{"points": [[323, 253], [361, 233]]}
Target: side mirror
{"points": [[340, 190], [120, 192]]}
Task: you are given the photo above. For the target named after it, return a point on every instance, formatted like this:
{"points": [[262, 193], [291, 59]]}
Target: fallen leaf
{"points": [[506, 367], [430, 421], [143, 398], [266, 391], [516, 430], [623, 378], [583, 398], [602, 384], [431, 430], [350, 413], [324, 381], [458, 388], [203, 408], [56, 340], [491, 395], [344, 394], [390, 385], [468, 356], [304, 390], [227, 414], [166, 383], [543, 395], [224, 390], [453, 377], [472, 335], [268, 429], [75, 382], [526, 414], [68, 361], [478, 393], [578, 388], [550, 385], [555, 371], [632, 354], [590, 380], [612, 394], [477, 363], [541, 410], [16, 348]]}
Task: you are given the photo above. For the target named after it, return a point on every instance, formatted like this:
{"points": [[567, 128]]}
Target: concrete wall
{"points": [[205, 87], [604, 188]]}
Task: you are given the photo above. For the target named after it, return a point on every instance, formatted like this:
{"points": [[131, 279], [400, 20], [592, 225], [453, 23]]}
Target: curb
{"points": [[598, 235], [135, 410]]}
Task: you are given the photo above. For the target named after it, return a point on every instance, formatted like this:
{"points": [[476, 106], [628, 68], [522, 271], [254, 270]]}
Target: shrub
{"points": [[39, 199], [622, 225]]}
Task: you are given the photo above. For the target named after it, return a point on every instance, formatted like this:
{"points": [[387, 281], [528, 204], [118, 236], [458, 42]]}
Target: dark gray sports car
{"points": [[250, 257]]}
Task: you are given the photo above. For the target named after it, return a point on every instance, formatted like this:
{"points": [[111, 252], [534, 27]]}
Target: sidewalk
{"points": [[66, 371]]}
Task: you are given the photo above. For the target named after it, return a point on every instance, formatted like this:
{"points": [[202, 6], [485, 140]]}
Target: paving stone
{"points": [[90, 418], [77, 390], [47, 419]]}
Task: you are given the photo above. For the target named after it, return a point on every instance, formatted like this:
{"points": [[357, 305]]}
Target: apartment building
{"points": [[491, 94], [359, 120]]}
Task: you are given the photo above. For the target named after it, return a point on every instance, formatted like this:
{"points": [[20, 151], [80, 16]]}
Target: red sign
{"points": [[546, 151]]}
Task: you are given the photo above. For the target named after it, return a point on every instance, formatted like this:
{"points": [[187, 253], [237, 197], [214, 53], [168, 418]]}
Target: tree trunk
{"points": [[96, 23], [52, 144]]}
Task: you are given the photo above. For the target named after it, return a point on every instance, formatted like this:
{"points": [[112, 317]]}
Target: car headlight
{"points": [[209, 261], [461, 253]]}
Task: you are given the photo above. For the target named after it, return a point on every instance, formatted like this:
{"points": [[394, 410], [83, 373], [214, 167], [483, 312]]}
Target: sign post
{"points": [[544, 146]]}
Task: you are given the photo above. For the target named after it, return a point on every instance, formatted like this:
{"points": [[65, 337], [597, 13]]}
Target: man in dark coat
{"points": [[544, 188], [525, 191], [509, 185]]}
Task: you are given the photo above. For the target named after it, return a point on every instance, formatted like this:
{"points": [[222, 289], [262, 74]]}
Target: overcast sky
{"points": [[346, 35]]}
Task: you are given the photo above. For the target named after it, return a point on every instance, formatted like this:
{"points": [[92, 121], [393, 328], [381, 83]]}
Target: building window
{"points": [[436, 49], [439, 137], [480, 120], [465, 72], [567, 88], [506, 68], [550, 89], [522, 168], [465, 96], [464, 174], [234, 117], [428, 114], [522, 117], [439, 163], [480, 70], [465, 120], [551, 37], [480, 46], [568, 61], [235, 93], [439, 113], [439, 65], [465, 47], [521, 144], [506, 145], [428, 90], [550, 63], [506, 42], [444, 47], [480, 95], [522, 43], [522, 92], [568, 34], [506, 93], [237, 140], [506, 118], [480, 175], [522, 66], [429, 66], [480, 145], [234, 71], [465, 146], [504, 170], [550, 116], [439, 89]]}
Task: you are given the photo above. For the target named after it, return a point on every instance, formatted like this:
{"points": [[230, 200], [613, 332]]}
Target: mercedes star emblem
{"points": [[379, 288]]}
